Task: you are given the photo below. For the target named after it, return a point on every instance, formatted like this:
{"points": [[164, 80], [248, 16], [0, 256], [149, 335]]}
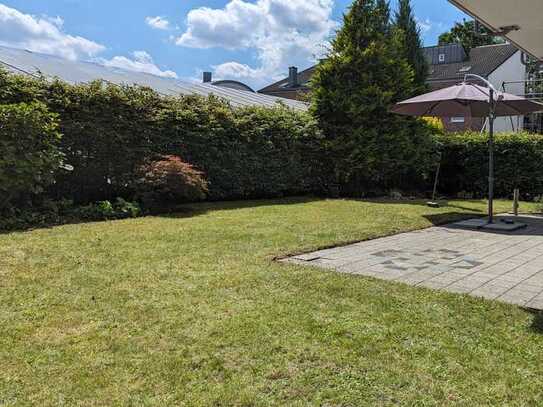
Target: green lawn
{"points": [[191, 310]]}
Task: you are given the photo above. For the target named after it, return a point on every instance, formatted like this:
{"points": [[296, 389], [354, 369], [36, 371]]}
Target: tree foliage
{"points": [[412, 44], [29, 150], [518, 158], [365, 73], [469, 35]]}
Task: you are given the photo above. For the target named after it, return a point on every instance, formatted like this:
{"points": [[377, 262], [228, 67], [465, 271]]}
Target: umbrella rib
{"points": [[514, 108], [428, 111]]}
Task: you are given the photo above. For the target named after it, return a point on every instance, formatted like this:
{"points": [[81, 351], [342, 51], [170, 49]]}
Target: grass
{"points": [[193, 311]]}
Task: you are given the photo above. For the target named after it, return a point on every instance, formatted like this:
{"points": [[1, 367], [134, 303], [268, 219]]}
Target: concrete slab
{"points": [[499, 264], [501, 224]]}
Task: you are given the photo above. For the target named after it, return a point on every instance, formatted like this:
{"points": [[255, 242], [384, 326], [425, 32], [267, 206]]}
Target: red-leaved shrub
{"points": [[171, 180]]}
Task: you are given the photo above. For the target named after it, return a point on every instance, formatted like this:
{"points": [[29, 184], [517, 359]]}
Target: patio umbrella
{"points": [[470, 100]]}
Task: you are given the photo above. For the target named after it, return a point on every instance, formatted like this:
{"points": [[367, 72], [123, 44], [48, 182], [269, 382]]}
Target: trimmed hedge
{"points": [[245, 153], [29, 151], [518, 164], [110, 131]]}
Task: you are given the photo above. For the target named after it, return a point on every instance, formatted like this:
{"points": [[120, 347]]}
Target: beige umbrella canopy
{"points": [[470, 100]]}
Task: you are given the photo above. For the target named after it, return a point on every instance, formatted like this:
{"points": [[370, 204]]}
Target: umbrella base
{"points": [[500, 224]]}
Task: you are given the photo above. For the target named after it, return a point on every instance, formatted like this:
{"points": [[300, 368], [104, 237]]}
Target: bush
{"points": [[49, 213], [29, 146], [170, 180], [105, 210], [518, 164]]}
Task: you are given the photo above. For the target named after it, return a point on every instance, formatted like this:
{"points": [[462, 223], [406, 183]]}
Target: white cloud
{"points": [[158, 23], [235, 70], [56, 21], [424, 25], [42, 34], [142, 62], [282, 32]]}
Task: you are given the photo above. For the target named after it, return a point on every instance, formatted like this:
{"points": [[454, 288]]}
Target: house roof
{"points": [[31, 63], [227, 83], [282, 85], [482, 61]]}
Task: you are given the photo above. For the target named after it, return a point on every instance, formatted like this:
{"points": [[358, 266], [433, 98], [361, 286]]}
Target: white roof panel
{"points": [[31, 63], [497, 14]]}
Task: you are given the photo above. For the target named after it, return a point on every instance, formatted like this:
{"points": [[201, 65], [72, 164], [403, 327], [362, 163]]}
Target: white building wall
{"points": [[510, 70]]}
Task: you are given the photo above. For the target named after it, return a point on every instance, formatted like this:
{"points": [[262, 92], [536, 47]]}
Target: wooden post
{"points": [[516, 198]]}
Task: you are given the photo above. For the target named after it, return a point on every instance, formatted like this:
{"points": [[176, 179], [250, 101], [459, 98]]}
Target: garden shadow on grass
{"points": [[424, 202], [537, 321], [196, 209], [437, 219], [177, 212], [201, 208]]}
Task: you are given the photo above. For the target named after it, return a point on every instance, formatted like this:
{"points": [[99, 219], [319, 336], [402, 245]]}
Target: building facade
{"points": [[500, 64]]}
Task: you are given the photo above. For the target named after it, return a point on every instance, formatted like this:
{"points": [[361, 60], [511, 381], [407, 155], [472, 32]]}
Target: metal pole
{"points": [[434, 193], [491, 159], [516, 198]]}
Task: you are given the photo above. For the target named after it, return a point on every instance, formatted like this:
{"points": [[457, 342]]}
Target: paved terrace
{"points": [[505, 267]]}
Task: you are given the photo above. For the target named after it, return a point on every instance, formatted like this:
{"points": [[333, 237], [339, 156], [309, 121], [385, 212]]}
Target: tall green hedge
{"points": [[109, 131], [245, 153], [29, 151], [518, 164]]}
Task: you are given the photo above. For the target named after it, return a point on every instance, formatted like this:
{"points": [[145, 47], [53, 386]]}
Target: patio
{"points": [[502, 266]]}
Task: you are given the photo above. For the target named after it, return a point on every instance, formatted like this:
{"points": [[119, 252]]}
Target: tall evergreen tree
{"points": [[353, 90], [412, 44]]}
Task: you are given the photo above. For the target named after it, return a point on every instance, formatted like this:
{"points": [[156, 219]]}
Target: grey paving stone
{"points": [[514, 298], [503, 266], [488, 294], [432, 284], [307, 257], [459, 289], [535, 304], [524, 288]]}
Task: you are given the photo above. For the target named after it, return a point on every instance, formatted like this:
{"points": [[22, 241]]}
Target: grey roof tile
{"points": [[482, 60]]}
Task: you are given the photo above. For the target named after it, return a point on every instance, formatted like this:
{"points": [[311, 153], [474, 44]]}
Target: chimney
{"points": [[292, 77], [208, 77]]}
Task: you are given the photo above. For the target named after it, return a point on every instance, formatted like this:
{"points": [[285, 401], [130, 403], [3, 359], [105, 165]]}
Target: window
{"points": [[441, 57], [458, 119]]}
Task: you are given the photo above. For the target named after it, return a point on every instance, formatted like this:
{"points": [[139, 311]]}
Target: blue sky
{"points": [[250, 40]]}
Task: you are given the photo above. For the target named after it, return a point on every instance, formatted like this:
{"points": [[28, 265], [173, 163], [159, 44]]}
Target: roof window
{"points": [[441, 57]]}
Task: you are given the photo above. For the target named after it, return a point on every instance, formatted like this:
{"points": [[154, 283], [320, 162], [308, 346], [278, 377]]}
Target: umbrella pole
{"points": [[491, 159]]}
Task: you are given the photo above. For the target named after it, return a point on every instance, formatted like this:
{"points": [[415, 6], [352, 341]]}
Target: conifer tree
{"points": [[412, 44], [364, 74]]}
